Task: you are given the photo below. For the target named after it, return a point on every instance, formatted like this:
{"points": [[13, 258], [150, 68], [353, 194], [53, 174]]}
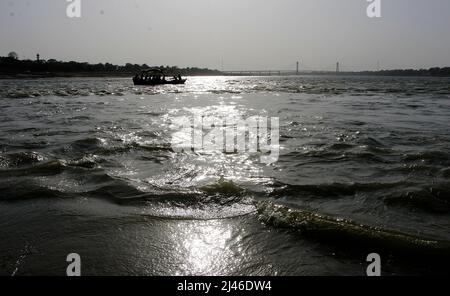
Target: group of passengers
{"points": [[155, 78]]}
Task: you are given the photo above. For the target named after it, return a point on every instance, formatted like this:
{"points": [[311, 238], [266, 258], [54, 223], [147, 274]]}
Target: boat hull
{"points": [[152, 83]]}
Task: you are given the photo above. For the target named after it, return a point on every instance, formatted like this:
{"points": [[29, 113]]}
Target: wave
{"points": [[97, 146], [431, 157], [20, 159], [434, 199], [49, 168], [201, 210], [445, 173], [338, 153], [223, 188], [26, 190], [42, 166], [343, 231], [215, 201], [84, 153], [111, 150], [87, 144], [331, 190]]}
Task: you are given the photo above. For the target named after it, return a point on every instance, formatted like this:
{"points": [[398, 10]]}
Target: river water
{"points": [[87, 167]]}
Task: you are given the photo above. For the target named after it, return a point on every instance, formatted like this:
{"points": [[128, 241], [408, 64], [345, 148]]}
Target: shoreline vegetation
{"points": [[11, 67]]}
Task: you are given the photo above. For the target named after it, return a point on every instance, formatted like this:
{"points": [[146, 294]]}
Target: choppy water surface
{"points": [[86, 166]]}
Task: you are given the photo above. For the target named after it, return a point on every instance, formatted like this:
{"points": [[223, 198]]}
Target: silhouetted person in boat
{"points": [[179, 77]]}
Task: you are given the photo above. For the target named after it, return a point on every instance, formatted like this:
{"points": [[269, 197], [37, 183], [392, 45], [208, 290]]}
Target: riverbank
{"points": [[61, 75], [68, 75]]}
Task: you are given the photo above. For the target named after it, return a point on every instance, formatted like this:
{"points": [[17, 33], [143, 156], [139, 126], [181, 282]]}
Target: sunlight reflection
{"points": [[210, 165], [206, 248]]}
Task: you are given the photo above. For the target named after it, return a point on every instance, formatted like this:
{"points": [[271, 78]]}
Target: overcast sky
{"points": [[245, 34]]}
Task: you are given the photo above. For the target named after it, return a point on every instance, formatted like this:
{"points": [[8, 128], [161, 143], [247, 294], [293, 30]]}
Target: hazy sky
{"points": [[246, 34]]}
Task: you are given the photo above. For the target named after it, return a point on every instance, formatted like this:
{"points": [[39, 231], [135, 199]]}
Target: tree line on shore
{"points": [[11, 64], [436, 71]]}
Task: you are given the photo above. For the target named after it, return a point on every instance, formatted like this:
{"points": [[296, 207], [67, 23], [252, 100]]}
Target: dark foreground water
{"points": [[87, 167]]}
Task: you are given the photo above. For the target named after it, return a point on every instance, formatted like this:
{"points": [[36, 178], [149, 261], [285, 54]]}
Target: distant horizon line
{"points": [[286, 71]]}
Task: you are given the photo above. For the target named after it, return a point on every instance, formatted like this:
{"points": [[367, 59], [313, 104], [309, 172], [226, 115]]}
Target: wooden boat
{"points": [[158, 82], [156, 77]]}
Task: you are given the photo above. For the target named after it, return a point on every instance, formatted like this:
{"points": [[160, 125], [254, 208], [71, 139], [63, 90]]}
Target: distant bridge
{"points": [[305, 70]]}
